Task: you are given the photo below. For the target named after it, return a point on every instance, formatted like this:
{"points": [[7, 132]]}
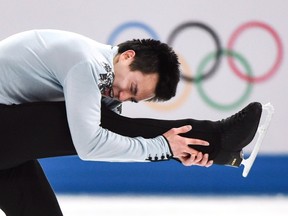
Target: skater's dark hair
{"points": [[152, 56]]}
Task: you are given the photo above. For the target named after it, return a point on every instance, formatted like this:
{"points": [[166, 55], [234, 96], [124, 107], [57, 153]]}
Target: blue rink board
{"points": [[269, 176]]}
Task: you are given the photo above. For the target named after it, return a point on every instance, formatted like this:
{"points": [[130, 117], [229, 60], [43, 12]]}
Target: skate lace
{"points": [[234, 118]]}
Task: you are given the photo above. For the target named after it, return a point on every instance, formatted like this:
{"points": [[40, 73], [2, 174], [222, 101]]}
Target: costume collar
{"points": [[106, 81]]}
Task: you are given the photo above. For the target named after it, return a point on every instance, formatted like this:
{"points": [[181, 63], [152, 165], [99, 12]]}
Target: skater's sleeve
{"points": [[92, 142]]}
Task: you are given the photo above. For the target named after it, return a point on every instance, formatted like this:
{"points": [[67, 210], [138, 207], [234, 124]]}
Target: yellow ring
{"points": [[168, 106]]}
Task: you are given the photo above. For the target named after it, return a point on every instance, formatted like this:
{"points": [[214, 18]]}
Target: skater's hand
{"points": [[181, 150], [203, 160]]}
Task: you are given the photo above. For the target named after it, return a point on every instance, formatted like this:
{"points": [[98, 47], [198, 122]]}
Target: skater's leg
{"points": [[33, 130], [39, 130], [31, 122], [25, 191], [226, 137], [149, 128]]}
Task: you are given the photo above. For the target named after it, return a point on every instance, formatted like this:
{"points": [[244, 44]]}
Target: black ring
{"points": [[218, 55]]}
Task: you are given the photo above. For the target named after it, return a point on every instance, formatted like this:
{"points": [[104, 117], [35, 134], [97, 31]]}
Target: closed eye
{"points": [[133, 89]]}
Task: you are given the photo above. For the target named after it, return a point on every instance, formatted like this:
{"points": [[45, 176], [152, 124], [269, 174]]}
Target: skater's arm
{"points": [[93, 142]]}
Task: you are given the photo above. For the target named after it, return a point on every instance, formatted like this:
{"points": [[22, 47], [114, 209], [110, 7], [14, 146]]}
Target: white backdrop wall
{"points": [[260, 43]]}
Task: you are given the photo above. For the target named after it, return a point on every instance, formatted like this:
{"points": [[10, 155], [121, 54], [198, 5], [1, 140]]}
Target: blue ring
{"points": [[127, 25]]}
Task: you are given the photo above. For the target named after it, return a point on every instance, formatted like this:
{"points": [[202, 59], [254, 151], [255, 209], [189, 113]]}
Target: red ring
{"points": [[278, 60]]}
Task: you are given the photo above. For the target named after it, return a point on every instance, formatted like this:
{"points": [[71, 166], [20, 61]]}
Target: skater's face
{"points": [[132, 85]]}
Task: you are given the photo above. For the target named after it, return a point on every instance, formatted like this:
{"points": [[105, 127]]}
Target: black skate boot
{"points": [[237, 132]]}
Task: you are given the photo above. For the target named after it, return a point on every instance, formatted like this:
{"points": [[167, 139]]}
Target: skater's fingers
{"points": [[174, 134], [191, 141], [210, 163], [176, 131], [183, 129], [188, 141], [188, 159], [198, 158], [205, 162]]}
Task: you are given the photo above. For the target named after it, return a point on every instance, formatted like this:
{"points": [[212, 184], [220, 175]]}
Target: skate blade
{"points": [[262, 129]]}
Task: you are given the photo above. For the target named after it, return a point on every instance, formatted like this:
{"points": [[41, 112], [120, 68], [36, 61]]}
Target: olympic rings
{"points": [[128, 25], [212, 102], [279, 56], [216, 56], [216, 39]]}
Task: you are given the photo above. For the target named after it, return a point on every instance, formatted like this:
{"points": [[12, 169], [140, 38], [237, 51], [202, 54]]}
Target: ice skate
{"points": [[238, 131], [262, 129]]}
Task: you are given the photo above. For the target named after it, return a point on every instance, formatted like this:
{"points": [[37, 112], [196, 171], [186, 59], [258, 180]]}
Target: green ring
{"points": [[205, 97]]}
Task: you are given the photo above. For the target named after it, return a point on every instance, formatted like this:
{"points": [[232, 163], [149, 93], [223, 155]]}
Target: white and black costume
{"points": [[51, 90]]}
